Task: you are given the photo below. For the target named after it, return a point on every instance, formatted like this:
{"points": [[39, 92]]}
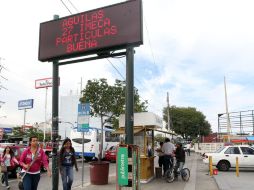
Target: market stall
{"points": [[145, 123]]}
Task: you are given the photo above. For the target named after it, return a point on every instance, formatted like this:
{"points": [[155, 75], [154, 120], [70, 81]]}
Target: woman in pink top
{"points": [[32, 176], [7, 159]]}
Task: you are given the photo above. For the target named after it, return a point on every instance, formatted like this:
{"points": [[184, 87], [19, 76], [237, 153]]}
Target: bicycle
{"points": [[170, 174]]}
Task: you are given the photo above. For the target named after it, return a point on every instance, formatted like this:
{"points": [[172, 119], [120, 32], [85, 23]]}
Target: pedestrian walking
{"points": [[188, 146], [66, 162], [7, 160], [31, 161]]}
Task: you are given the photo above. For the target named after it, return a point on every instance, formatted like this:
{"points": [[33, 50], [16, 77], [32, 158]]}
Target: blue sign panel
{"points": [[83, 109], [83, 117], [25, 104], [7, 130]]}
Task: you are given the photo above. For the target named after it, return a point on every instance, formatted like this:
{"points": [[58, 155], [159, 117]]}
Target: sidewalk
{"points": [[229, 181], [199, 180], [193, 163]]}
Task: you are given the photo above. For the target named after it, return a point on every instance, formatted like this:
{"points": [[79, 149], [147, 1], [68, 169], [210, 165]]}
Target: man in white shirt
{"points": [[168, 150]]}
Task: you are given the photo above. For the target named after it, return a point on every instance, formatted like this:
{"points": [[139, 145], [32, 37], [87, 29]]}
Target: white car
{"points": [[225, 157]]}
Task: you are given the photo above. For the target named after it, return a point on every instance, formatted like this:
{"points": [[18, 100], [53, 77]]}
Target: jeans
{"points": [[67, 177], [161, 160], [168, 162], [31, 181], [179, 165], [5, 178]]}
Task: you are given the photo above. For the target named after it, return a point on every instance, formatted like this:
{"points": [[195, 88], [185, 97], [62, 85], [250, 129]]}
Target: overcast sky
{"points": [[189, 46]]}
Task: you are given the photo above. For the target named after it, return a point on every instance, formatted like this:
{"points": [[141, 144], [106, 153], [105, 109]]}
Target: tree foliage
{"points": [[187, 122], [19, 132], [109, 100]]}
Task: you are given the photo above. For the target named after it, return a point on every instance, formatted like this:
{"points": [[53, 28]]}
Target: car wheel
{"points": [[223, 165]]}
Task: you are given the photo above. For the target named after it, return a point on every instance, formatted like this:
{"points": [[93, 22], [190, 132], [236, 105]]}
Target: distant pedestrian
{"points": [[7, 160], [66, 162], [188, 146], [32, 160]]}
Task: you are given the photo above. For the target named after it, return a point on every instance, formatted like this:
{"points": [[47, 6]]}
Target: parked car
{"points": [[17, 149], [225, 157], [110, 154]]}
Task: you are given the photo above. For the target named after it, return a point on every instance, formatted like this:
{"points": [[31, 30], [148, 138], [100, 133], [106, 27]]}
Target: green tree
{"points": [[18, 131], [187, 122], [108, 101]]}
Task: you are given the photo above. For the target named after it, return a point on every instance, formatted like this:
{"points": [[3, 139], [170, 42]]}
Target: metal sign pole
{"points": [[44, 128], [129, 118], [24, 123], [55, 94], [83, 158]]}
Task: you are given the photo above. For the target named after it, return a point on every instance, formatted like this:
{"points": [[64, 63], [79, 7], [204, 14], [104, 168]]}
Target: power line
{"points": [[149, 41], [2, 67], [73, 5], [116, 69], [66, 6]]}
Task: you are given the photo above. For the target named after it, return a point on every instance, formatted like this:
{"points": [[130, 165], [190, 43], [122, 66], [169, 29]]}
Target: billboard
{"points": [[7, 130], [104, 29], [25, 104], [45, 83]]}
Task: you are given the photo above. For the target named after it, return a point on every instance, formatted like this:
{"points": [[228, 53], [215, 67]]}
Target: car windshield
{"points": [[219, 150]]}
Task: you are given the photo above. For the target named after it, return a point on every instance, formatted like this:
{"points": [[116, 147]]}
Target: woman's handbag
{"points": [[3, 169], [20, 185]]}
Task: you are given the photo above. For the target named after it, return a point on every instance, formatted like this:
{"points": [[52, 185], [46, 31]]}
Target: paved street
{"points": [[199, 179]]}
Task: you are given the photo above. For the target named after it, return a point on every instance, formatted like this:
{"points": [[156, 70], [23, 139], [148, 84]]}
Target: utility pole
{"points": [[169, 124], [226, 101], [168, 112]]}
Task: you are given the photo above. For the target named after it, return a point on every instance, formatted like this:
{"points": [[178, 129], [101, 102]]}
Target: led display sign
{"points": [[105, 29]]}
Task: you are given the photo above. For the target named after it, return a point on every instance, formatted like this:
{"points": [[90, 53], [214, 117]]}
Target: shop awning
{"points": [[122, 131], [167, 132], [239, 141], [250, 138]]}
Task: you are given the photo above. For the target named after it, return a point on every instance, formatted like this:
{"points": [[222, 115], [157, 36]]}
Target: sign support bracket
{"points": [[102, 56]]}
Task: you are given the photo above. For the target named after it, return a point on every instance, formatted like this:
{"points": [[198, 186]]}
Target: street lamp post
{"points": [[65, 126]]}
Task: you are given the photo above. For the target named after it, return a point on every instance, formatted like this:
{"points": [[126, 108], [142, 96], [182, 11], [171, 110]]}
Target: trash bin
{"points": [[158, 172], [99, 172]]}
